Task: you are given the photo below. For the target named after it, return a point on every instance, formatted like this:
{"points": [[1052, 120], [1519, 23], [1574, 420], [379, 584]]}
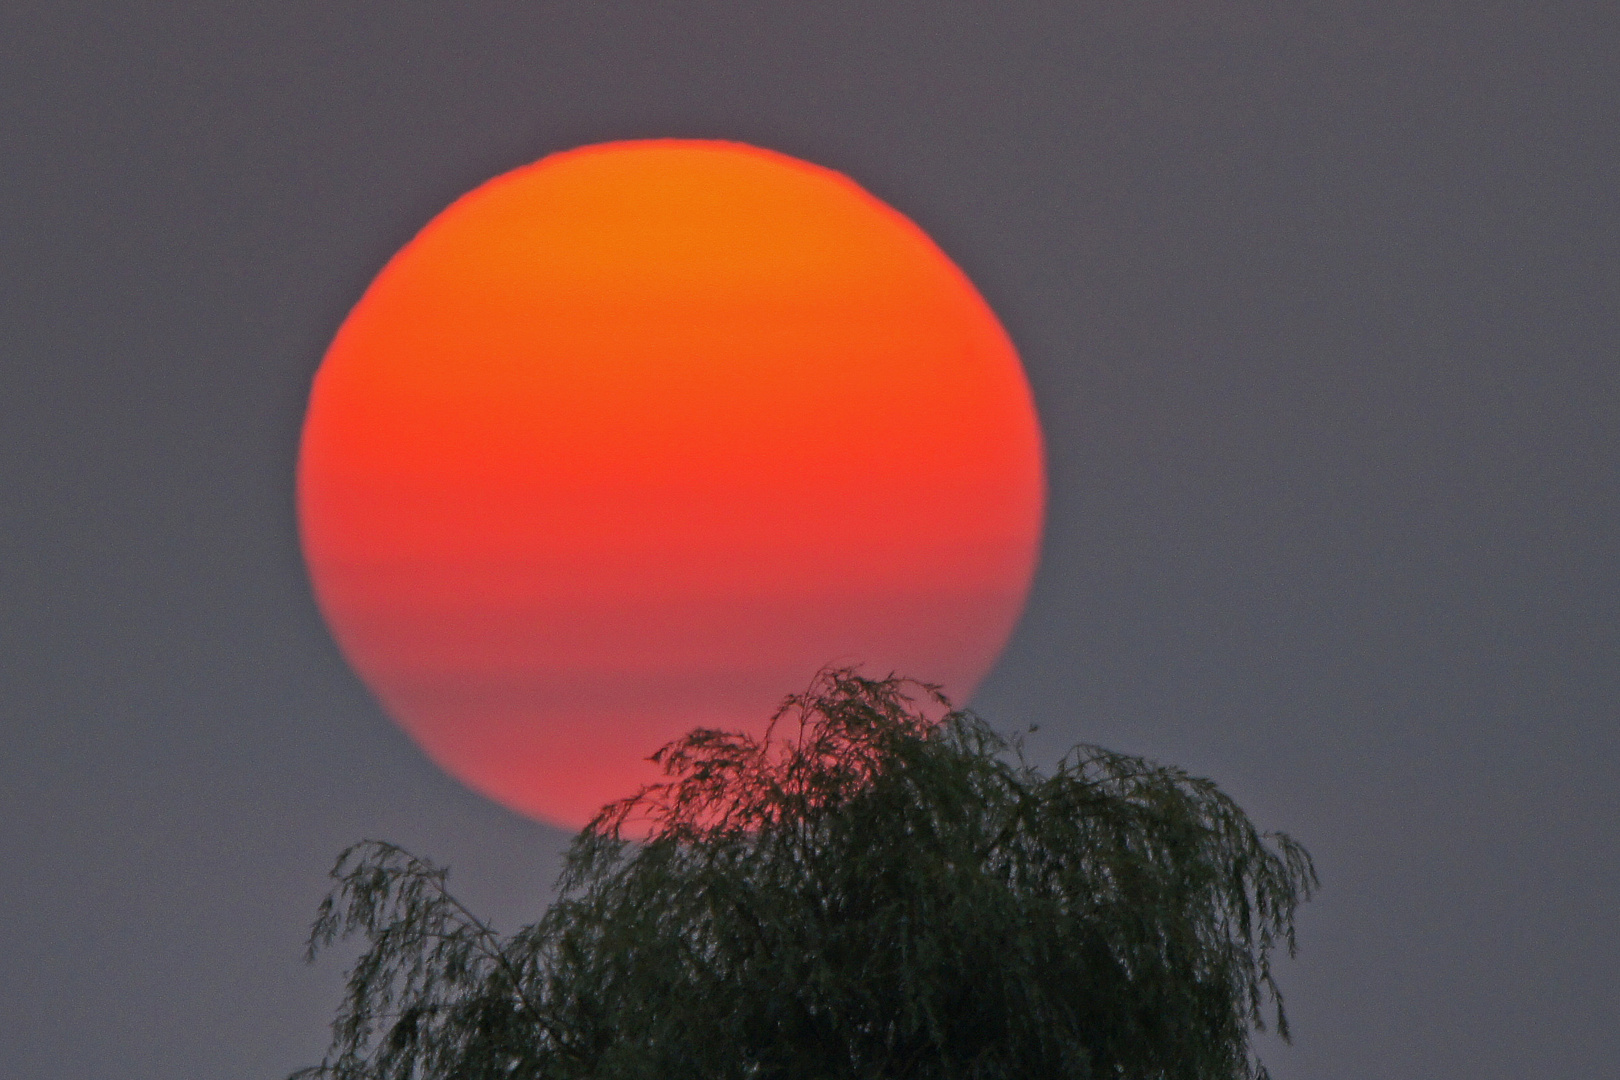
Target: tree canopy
{"points": [[879, 887]]}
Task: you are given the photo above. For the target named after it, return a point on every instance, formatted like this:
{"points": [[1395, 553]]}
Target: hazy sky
{"points": [[1319, 304]]}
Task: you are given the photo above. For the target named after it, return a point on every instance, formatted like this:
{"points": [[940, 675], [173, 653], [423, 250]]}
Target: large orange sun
{"points": [[638, 437]]}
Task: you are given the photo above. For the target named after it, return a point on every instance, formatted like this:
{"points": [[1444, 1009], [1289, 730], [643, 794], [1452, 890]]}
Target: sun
{"points": [[640, 436]]}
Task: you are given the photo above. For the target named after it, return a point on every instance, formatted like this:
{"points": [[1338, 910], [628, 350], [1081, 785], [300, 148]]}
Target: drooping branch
{"points": [[877, 883]]}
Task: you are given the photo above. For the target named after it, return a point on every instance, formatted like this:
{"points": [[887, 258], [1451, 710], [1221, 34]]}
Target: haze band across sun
{"points": [[639, 437]]}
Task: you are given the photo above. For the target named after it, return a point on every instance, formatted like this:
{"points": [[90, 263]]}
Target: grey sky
{"points": [[1319, 306]]}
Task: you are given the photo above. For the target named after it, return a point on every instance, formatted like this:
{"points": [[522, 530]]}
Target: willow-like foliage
{"points": [[864, 893]]}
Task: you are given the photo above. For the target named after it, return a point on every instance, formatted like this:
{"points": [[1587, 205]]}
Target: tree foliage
{"points": [[865, 892]]}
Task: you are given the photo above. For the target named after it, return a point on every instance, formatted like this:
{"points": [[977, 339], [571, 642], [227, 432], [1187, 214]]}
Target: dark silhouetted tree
{"points": [[866, 892]]}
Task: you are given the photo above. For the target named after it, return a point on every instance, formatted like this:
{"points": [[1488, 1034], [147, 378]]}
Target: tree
{"points": [[865, 892]]}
